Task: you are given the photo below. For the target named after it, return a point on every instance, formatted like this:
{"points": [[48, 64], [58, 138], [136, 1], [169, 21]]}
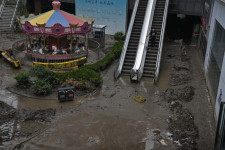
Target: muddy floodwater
{"points": [[109, 118]]}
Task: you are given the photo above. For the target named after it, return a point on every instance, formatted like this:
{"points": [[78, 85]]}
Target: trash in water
{"points": [[163, 142], [139, 99], [171, 55], [169, 120], [178, 143], [169, 134], [156, 131]]}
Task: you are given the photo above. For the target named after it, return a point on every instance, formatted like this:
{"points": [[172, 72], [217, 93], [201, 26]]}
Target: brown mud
{"points": [[18, 116], [109, 118]]}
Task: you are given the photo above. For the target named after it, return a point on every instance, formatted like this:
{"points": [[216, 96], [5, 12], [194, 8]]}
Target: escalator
{"points": [[138, 58], [152, 52], [134, 38]]}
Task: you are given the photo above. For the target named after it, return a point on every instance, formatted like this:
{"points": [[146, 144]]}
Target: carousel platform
{"points": [[49, 58]]}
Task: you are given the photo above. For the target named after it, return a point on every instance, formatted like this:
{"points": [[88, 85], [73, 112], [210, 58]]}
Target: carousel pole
{"points": [[71, 42], [30, 40], [44, 43], [26, 43], [87, 41]]}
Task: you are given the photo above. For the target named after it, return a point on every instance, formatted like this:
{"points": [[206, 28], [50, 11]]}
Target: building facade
{"points": [[214, 60]]}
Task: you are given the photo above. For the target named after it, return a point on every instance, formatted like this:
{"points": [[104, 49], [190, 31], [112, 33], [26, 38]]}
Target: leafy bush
{"points": [[117, 49], [41, 72], [25, 13], [119, 36], [108, 59], [23, 80], [78, 85], [89, 75], [41, 87], [86, 75]]}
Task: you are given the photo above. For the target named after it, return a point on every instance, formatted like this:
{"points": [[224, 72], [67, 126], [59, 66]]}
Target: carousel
{"points": [[56, 36]]}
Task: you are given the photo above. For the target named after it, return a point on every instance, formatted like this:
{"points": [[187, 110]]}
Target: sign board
{"points": [[112, 13]]}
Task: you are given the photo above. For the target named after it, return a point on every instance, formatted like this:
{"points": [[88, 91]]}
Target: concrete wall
{"points": [[187, 7], [221, 89], [218, 14]]}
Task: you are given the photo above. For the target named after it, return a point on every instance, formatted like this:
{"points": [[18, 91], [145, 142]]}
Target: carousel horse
{"points": [[54, 48]]}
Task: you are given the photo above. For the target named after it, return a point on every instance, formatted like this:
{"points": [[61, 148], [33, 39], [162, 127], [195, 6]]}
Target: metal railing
{"points": [[161, 42], [18, 3], [118, 70], [137, 70], [2, 7]]}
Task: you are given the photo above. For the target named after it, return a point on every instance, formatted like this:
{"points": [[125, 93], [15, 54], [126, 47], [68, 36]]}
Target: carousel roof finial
{"points": [[56, 5]]}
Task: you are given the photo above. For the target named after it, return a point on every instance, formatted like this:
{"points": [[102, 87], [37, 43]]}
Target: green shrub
{"points": [[41, 72], [108, 59], [41, 87], [117, 49], [90, 74], [23, 80], [25, 13], [119, 36], [81, 75]]}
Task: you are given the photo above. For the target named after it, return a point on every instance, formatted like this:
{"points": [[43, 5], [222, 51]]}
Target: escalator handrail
{"points": [[143, 42], [123, 53], [158, 61]]}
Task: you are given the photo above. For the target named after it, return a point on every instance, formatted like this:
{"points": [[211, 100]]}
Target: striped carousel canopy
{"points": [[59, 18]]}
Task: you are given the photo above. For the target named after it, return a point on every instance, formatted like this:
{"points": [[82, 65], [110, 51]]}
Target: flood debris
{"points": [[178, 143], [169, 134], [93, 140], [183, 128], [185, 94], [39, 115], [179, 66], [139, 99], [10, 116], [180, 73], [7, 113], [156, 131], [179, 78], [162, 141], [184, 57]]}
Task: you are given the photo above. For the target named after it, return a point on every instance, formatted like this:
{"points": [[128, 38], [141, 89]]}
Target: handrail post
{"points": [[2, 7], [14, 14]]}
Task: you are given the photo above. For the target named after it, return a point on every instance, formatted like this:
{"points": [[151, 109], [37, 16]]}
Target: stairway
{"points": [[6, 17], [152, 52], [134, 38]]}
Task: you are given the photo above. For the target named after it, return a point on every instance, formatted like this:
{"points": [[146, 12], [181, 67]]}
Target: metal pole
{"points": [[44, 43], [71, 42], [26, 43], [87, 40]]}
